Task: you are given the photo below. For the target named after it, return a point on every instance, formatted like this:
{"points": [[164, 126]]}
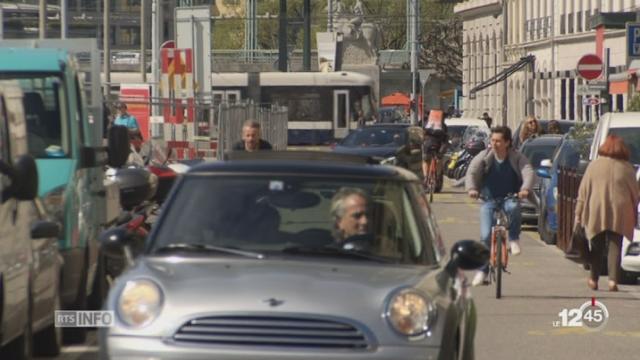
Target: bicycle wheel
{"points": [[499, 244]]}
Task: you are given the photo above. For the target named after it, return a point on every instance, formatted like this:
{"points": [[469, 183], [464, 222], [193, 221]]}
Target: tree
{"points": [[441, 41]]}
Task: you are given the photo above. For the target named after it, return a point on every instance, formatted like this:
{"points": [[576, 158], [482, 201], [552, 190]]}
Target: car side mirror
{"points": [[24, 178], [45, 229], [543, 173], [118, 146], [467, 255], [114, 242], [546, 163]]}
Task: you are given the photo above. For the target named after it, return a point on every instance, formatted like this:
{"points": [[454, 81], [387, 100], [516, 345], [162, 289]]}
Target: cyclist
{"points": [[495, 173], [434, 144]]}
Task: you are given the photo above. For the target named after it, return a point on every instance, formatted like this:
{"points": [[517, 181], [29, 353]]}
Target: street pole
{"points": [[330, 16], [156, 39], [605, 105], [1, 23], [64, 4], [143, 41], [306, 48], [414, 60], [106, 48], [505, 88], [282, 37], [42, 19]]}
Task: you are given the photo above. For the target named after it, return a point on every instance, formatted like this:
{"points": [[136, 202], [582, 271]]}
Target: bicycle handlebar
{"points": [[500, 199]]}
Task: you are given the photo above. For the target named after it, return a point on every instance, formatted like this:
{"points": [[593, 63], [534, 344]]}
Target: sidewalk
{"points": [[542, 283]]}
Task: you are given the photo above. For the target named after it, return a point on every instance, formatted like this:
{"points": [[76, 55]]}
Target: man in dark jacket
{"points": [[251, 140], [495, 173]]}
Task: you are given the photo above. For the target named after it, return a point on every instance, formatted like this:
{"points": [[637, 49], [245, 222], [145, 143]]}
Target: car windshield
{"points": [[476, 133], [538, 152], [390, 115], [570, 152], [45, 108], [455, 133], [294, 216], [376, 137], [631, 138]]}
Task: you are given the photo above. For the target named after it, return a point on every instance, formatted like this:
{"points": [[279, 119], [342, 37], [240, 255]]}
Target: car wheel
{"points": [[49, 340], [545, 233], [628, 278]]}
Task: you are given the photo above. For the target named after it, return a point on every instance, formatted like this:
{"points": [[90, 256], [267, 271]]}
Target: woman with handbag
{"points": [[607, 207]]}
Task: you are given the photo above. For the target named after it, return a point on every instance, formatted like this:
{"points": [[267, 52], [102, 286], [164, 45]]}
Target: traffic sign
{"points": [[633, 40], [590, 67], [591, 101]]}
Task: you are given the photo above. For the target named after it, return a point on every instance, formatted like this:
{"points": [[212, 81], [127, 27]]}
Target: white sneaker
{"points": [[478, 278], [515, 247]]}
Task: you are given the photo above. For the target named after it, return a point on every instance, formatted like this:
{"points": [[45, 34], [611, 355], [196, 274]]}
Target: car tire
{"points": [[628, 278], [546, 235], [49, 340]]}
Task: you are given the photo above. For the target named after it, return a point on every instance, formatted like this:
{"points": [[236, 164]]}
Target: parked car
{"points": [[255, 258], [568, 154], [400, 144], [565, 126], [29, 259], [391, 115], [631, 253], [536, 150]]}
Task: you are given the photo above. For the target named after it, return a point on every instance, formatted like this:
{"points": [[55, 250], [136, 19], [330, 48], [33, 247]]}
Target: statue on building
{"points": [[354, 27]]}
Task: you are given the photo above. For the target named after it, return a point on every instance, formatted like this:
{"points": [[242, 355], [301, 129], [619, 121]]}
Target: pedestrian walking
{"points": [[128, 120], [485, 116], [607, 207], [553, 127]]}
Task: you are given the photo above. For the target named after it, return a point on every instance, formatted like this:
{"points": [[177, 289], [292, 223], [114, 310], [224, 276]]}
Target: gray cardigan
{"points": [[481, 164]]}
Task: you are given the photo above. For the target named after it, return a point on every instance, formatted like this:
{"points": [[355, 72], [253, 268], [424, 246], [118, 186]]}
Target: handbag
{"points": [[580, 244]]}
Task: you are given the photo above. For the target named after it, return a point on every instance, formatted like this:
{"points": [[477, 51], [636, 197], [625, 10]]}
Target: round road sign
{"points": [[590, 67]]}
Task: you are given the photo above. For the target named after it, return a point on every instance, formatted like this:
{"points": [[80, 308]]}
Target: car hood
{"points": [[195, 287], [367, 151]]}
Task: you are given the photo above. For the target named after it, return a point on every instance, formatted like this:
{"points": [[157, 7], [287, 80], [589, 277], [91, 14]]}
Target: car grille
{"points": [[272, 331]]}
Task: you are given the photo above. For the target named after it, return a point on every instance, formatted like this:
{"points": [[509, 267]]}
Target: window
{"points": [[563, 99], [562, 24], [578, 22], [620, 102], [570, 23], [572, 99]]}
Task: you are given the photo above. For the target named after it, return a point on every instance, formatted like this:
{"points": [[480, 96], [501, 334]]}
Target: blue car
{"points": [[567, 154]]}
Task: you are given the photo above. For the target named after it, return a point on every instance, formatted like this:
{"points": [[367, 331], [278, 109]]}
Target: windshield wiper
{"points": [[206, 247], [334, 251]]}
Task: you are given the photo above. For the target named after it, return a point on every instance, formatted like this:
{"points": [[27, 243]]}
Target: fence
{"points": [[568, 184], [273, 121]]}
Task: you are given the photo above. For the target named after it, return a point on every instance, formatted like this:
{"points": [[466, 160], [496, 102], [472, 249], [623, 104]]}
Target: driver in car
{"points": [[350, 210]]}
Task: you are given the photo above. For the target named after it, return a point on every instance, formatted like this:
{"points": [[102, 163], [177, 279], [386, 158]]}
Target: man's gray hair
{"points": [[337, 202], [251, 124]]}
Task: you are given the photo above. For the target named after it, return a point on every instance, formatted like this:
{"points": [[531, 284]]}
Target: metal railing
{"points": [[273, 121]]}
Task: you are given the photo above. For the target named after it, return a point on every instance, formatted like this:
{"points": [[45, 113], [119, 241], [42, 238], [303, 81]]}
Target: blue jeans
{"points": [[512, 208]]}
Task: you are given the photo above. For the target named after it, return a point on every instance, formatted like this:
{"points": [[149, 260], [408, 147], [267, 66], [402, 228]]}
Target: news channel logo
{"points": [[79, 319], [592, 315]]}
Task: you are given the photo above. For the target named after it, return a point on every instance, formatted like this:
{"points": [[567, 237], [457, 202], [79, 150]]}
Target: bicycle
{"points": [[431, 180], [499, 255]]}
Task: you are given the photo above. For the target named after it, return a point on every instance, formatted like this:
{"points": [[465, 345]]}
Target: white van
{"points": [[626, 125]]}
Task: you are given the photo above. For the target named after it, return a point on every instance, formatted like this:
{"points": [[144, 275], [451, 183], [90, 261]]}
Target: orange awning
{"points": [[396, 98], [618, 87]]}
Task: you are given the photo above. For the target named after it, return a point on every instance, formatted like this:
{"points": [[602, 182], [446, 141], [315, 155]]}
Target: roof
{"points": [[624, 120], [550, 139], [303, 163], [465, 121], [28, 59]]}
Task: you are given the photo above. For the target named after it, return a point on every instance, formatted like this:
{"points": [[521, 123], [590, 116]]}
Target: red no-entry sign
{"points": [[590, 67]]}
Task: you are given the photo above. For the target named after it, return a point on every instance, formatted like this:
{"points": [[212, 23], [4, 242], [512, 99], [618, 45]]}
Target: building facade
{"points": [[558, 33]]}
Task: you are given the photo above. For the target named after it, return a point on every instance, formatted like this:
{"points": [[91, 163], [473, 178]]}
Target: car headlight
{"points": [[410, 313], [140, 303], [633, 249]]}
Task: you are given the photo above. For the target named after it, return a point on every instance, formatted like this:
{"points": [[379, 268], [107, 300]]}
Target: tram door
{"points": [[341, 113]]}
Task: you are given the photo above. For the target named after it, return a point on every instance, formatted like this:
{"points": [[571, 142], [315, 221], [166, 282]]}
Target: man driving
{"points": [[350, 210]]}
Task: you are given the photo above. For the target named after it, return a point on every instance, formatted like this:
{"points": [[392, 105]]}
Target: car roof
{"points": [[624, 120], [549, 139], [303, 163], [465, 121]]}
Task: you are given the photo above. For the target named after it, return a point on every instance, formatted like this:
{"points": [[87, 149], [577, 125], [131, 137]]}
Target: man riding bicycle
{"points": [[434, 144], [495, 173]]}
